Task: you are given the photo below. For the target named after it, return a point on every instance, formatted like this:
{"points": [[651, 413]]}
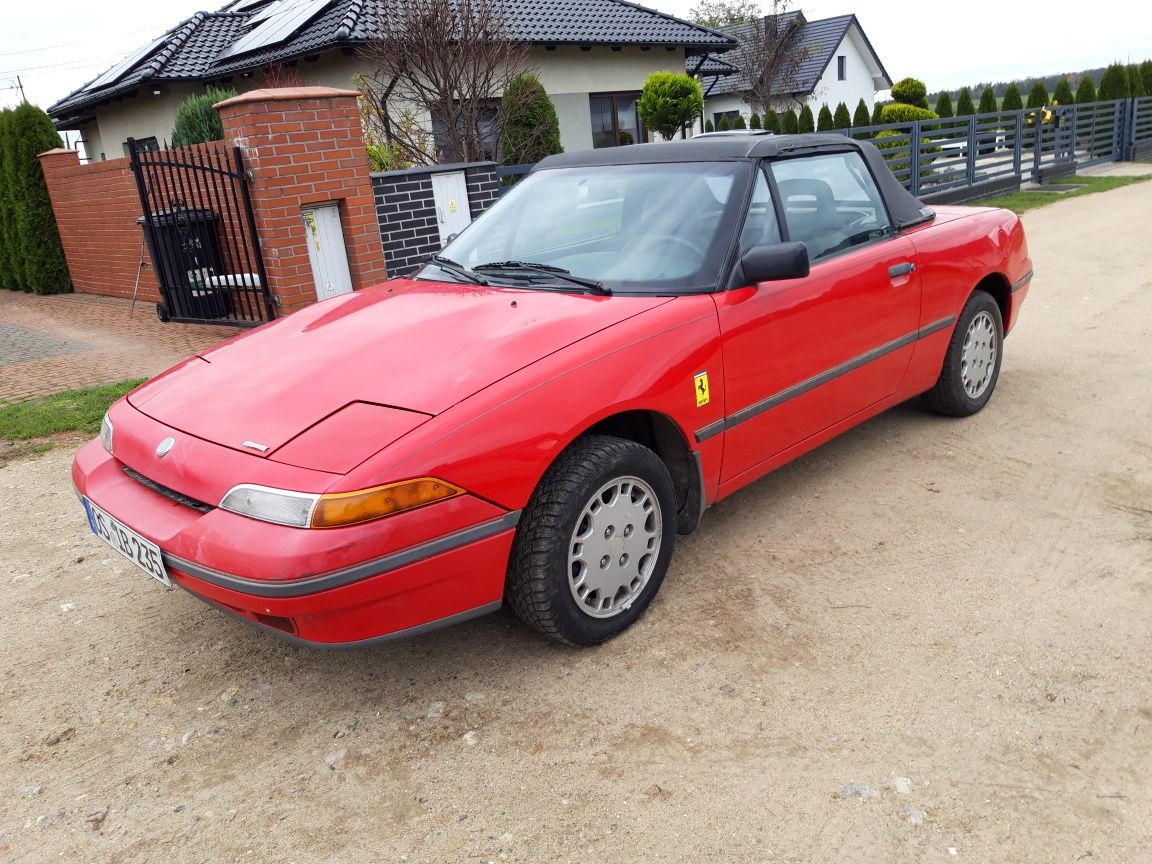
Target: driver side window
{"points": [[760, 225]]}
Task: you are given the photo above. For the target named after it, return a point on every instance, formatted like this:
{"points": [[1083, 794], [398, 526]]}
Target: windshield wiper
{"points": [[548, 269], [456, 269]]}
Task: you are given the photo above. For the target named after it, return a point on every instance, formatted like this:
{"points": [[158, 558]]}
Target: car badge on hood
{"points": [[164, 446], [256, 445]]}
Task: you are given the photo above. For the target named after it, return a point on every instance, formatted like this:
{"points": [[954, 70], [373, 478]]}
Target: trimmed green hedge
{"points": [[964, 106], [197, 122], [900, 112], [530, 129]]}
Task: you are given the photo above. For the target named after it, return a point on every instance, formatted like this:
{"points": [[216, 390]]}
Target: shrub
{"points": [[724, 125], [1086, 92], [901, 112], [964, 105], [529, 129], [861, 117], [1135, 82], [708, 127], [824, 119], [910, 91], [1063, 93], [1012, 100], [842, 119], [1037, 96], [1113, 83], [878, 114], [1146, 76], [944, 104], [197, 121], [988, 104], [789, 123], [893, 146], [9, 278], [754, 122], [668, 101], [34, 255], [738, 122], [805, 121], [771, 121]]}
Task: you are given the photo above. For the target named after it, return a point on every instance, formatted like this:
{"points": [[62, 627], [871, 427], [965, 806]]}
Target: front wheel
{"points": [[972, 364], [594, 543]]}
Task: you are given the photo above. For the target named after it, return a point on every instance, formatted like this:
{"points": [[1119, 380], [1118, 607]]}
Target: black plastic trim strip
{"points": [[1021, 282], [777, 399], [348, 575]]}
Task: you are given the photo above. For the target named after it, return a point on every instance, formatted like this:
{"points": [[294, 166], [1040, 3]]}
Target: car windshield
{"points": [[655, 228]]}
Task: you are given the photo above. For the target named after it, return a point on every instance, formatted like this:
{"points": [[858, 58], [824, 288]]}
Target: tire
{"points": [[162, 313], [594, 542], [972, 364]]}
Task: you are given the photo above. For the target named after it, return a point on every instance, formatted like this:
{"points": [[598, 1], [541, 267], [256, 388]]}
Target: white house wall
{"points": [[858, 82], [141, 116]]}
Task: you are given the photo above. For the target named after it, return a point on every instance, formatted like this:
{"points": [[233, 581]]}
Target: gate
{"points": [[201, 234]]}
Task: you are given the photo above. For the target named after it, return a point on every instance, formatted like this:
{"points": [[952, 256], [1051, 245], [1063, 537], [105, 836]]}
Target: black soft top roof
{"points": [[904, 208]]}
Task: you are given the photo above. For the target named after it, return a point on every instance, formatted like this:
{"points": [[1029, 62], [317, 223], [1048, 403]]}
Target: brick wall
{"points": [[303, 145], [406, 210], [96, 208]]}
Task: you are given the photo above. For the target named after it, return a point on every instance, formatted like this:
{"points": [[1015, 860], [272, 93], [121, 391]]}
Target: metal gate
{"points": [[201, 234]]}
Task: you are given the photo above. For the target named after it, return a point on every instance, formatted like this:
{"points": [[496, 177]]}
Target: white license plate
{"points": [[143, 553]]}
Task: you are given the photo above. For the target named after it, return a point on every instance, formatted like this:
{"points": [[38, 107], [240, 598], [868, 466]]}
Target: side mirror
{"points": [[774, 262]]}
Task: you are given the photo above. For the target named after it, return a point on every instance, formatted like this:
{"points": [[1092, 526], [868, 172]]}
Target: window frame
{"points": [[841, 67], [613, 95]]}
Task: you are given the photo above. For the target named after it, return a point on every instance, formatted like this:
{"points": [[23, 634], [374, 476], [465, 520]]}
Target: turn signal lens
{"points": [[106, 433], [352, 508]]}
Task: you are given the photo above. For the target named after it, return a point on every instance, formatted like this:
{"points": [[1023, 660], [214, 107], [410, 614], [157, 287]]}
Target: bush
{"points": [[668, 101], [724, 125], [771, 121], [9, 278], [1012, 100], [1113, 83], [1037, 96], [197, 121], [708, 127], [789, 123], [894, 145], [805, 121], [878, 114], [964, 106], [842, 119], [1135, 82], [901, 112], [529, 129], [861, 117], [754, 122], [1063, 93], [738, 122], [33, 257], [1086, 92], [1146, 76], [944, 104], [911, 91], [824, 119], [988, 103]]}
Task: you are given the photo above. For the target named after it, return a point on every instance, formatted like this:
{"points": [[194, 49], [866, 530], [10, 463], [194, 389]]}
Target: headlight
{"points": [[106, 433], [302, 510]]}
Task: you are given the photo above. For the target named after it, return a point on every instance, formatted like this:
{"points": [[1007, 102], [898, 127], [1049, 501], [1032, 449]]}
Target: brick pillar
{"points": [[305, 146]]}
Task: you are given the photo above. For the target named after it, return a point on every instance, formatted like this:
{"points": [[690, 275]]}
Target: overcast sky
{"points": [[57, 47]]}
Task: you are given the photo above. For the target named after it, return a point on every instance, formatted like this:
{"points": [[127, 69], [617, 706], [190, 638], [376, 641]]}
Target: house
{"points": [[592, 56], [838, 64]]}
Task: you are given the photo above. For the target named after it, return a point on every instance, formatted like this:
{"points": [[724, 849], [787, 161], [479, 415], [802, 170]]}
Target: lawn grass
{"points": [[68, 411], [1019, 202]]}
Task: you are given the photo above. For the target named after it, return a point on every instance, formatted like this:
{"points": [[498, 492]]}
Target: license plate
{"points": [[143, 553]]}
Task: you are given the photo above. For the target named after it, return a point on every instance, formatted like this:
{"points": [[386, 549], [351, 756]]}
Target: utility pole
{"points": [[20, 87]]}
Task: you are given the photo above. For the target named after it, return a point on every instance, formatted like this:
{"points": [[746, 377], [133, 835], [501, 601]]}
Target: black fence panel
{"points": [[201, 234]]}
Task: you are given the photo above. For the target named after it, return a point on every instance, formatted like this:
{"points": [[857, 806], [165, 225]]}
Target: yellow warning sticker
{"points": [[700, 382]]}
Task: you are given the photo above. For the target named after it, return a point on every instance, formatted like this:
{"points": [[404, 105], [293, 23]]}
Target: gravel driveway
{"points": [[927, 641]]}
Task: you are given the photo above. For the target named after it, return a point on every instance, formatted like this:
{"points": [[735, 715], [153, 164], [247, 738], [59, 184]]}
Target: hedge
{"points": [[530, 129], [197, 121]]}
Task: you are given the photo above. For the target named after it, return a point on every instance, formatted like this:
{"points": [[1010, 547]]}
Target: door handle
{"points": [[901, 269]]}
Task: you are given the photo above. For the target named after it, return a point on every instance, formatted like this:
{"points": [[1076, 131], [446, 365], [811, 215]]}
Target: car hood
{"points": [[413, 345]]}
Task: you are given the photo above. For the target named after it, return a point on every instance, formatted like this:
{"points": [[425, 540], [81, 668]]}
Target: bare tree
{"points": [[769, 54], [437, 72]]}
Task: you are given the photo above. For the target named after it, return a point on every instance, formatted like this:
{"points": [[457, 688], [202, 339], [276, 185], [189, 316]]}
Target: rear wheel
{"points": [[972, 364], [594, 543]]}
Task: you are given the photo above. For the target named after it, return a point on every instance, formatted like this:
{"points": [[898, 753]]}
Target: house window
{"points": [[489, 131], [143, 145], [841, 68], [615, 121], [720, 115]]}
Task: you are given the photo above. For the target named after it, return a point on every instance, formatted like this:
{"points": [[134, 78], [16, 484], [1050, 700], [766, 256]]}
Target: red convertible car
{"points": [[627, 337]]}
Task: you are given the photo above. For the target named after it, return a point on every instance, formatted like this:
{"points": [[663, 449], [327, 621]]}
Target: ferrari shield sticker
{"points": [[701, 385]]}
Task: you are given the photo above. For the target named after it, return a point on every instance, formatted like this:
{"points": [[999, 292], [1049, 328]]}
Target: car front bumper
{"points": [[335, 587]]}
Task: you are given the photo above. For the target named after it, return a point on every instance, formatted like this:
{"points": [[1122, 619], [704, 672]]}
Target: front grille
{"points": [[170, 494]]}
